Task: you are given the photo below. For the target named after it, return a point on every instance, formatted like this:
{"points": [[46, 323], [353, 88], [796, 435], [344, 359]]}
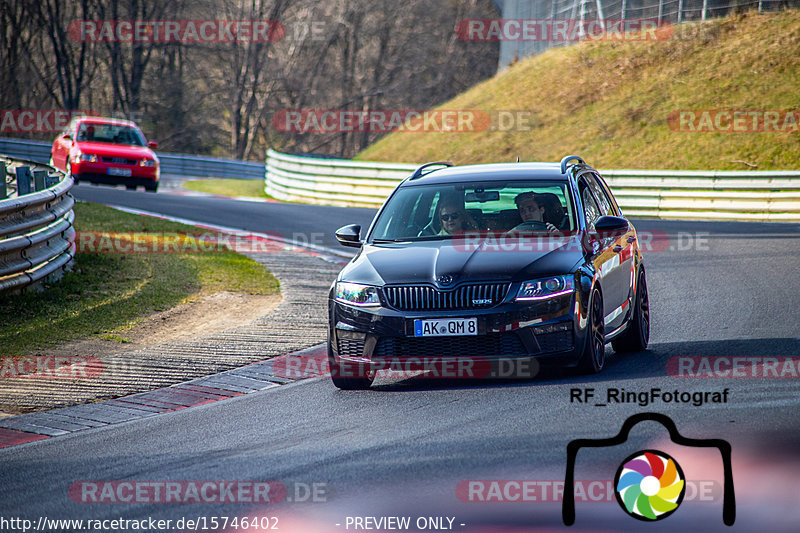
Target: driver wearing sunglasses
{"points": [[452, 218]]}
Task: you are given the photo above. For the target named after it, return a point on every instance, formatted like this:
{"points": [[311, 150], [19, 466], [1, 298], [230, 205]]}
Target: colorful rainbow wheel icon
{"points": [[649, 485]]}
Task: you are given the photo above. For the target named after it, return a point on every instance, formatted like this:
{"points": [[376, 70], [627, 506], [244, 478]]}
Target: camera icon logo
{"points": [[649, 485]]}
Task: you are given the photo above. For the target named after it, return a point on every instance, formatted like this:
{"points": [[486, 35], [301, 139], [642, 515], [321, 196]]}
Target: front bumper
{"points": [[98, 173], [510, 335]]}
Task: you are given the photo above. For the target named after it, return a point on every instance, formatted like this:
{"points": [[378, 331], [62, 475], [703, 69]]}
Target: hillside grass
{"points": [[609, 102]]}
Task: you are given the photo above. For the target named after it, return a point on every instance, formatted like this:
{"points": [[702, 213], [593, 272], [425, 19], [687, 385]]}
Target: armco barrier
{"points": [[332, 181], [37, 239], [175, 164], [772, 195]]}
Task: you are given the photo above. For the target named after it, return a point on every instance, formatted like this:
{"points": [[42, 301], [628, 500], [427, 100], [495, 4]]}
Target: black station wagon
{"points": [[488, 267]]}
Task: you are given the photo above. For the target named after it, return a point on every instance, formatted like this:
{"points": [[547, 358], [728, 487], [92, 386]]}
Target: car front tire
{"points": [[346, 377], [68, 173], [593, 358]]}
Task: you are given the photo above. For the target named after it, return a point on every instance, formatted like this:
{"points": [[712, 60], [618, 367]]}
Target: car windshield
{"points": [[427, 212], [110, 133]]}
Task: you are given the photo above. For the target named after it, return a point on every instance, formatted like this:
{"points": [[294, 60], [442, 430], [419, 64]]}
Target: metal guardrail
{"points": [[37, 239], [171, 163], [332, 181], [710, 195]]}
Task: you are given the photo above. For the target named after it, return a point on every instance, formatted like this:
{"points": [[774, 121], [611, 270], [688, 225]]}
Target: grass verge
{"points": [[228, 187], [108, 292]]}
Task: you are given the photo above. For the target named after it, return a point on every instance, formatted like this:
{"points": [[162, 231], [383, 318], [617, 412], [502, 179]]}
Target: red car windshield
{"points": [[110, 133]]}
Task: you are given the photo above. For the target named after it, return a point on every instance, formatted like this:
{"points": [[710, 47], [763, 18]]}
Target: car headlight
{"points": [[90, 158], [541, 289], [147, 163], [355, 294]]}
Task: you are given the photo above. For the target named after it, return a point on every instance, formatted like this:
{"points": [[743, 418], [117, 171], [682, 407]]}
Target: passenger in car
{"points": [[453, 218], [553, 213]]}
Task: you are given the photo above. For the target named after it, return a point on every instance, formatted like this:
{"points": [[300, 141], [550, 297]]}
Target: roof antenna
{"points": [[517, 159]]}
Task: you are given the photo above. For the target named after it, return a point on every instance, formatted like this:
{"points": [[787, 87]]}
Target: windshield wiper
{"points": [[383, 241]]}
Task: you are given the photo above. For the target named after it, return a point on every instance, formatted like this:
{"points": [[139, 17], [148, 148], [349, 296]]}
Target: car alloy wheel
{"points": [[644, 311], [594, 354], [636, 337]]}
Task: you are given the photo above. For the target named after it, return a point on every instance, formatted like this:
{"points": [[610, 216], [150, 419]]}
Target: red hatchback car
{"points": [[106, 150]]}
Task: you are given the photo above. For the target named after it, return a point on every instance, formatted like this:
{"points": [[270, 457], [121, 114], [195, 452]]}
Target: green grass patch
{"points": [[609, 102], [109, 292], [228, 187]]}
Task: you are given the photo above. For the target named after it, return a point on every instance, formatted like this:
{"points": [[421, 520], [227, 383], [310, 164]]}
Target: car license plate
{"points": [[442, 327], [116, 171]]}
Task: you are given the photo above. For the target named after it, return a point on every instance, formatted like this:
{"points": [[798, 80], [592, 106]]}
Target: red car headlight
{"points": [[85, 158], [147, 163]]}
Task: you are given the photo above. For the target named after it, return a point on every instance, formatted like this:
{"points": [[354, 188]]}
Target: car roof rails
{"points": [[418, 173], [566, 160]]}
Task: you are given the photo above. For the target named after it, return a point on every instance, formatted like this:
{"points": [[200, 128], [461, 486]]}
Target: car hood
{"points": [[115, 150], [427, 261]]}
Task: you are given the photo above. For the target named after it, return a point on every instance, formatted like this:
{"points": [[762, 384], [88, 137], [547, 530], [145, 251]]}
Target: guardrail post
{"points": [[23, 180], [3, 190], [40, 180], [51, 180]]}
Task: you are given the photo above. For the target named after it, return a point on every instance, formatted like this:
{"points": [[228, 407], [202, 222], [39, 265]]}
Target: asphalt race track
{"points": [[410, 446]]}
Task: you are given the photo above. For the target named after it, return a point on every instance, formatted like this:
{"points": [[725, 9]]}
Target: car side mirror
{"points": [[153, 145], [608, 226], [349, 235]]}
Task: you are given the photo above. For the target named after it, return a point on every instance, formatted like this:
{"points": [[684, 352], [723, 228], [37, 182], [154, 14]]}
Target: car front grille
{"points": [[472, 346], [118, 160], [424, 298]]}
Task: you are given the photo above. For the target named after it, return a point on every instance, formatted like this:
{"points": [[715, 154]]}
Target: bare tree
{"points": [[15, 31], [221, 97], [128, 61], [390, 55], [62, 57], [246, 62]]}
